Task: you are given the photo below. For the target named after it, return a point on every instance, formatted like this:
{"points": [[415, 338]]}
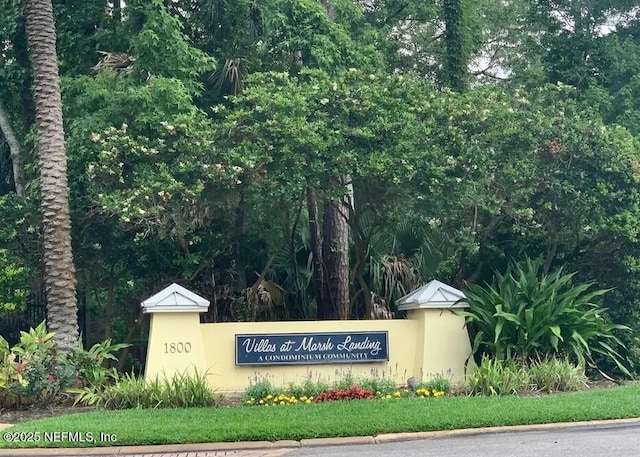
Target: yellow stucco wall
{"points": [[175, 345], [430, 342]]}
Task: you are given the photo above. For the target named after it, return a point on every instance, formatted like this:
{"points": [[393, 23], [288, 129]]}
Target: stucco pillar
{"points": [[442, 341], [175, 338]]}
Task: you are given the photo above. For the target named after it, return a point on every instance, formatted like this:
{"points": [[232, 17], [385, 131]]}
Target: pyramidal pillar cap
{"points": [[175, 299], [433, 295]]}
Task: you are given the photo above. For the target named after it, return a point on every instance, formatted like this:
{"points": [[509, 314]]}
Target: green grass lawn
{"points": [[357, 418]]}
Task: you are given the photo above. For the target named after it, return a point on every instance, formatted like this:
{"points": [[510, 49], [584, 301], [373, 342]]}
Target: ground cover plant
{"points": [[193, 425], [128, 391], [497, 377], [348, 388]]}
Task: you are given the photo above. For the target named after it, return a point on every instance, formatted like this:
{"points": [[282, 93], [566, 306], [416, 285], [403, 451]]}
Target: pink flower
{"points": [[79, 383], [20, 368], [97, 357], [40, 341], [50, 378]]}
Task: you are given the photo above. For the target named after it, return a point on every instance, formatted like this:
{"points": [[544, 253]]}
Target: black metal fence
{"points": [[12, 323]]}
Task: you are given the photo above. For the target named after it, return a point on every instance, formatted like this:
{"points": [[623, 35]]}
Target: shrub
{"points": [[179, 391], [259, 390], [91, 369], [497, 377], [308, 389], [436, 384], [524, 315], [345, 382], [31, 373], [351, 393], [381, 386], [556, 375]]}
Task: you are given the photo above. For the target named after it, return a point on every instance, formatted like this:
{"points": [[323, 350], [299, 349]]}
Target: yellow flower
{"points": [[397, 394], [387, 396], [262, 402], [269, 397], [308, 400], [282, 402]]}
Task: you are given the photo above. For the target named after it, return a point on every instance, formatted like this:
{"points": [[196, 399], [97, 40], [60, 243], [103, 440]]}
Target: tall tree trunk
{"points": [[455, 51], [62, 308], [240, 228], [14, 147], [316, 249], [335, 246], [335, 254]]}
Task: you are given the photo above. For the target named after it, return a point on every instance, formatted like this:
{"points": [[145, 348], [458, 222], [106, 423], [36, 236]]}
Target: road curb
{"points": [[312, 442], [396, 437], [341, 441]]}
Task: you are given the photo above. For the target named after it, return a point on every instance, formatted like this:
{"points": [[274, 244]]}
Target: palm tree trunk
{"points": [[62, 309]]}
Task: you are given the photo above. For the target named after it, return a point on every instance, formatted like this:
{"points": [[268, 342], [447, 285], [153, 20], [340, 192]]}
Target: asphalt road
{"points": [[605, 440]]}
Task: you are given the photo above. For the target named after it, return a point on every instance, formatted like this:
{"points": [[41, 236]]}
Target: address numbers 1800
{"points": [[178, 347]]}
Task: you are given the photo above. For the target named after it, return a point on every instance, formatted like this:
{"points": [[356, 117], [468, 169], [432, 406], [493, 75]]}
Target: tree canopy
{"points": [[199, 134]]}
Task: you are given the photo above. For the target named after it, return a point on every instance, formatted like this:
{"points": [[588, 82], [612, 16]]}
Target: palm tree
{"points": [[62, 309]]}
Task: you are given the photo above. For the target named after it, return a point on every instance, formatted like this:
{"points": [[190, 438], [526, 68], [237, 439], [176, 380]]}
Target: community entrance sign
{"points": [[311, 348], [431, 341]]}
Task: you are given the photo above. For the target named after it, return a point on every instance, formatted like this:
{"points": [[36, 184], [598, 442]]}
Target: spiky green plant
{"points": [[498, 377], [553, 374], [525, 315]]}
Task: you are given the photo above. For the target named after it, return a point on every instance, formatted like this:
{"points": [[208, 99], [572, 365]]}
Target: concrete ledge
{"points": [[315, 442], [395, 437], [152, 449], [286, 444]]}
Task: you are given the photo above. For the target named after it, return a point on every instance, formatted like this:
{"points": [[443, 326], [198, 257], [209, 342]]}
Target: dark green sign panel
{"points": [[312, 348]]}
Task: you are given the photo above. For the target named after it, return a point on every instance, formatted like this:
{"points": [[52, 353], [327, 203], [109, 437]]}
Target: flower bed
{"points": [[263, 394]]}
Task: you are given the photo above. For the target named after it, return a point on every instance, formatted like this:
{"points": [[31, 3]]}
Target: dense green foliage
{"points": [[196, 129], [128, 391], [507, 377], [32, 373], [525, 315]]}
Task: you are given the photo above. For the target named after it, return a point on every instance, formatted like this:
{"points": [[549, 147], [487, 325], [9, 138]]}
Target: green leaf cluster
{"points": [[526, 314]]}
